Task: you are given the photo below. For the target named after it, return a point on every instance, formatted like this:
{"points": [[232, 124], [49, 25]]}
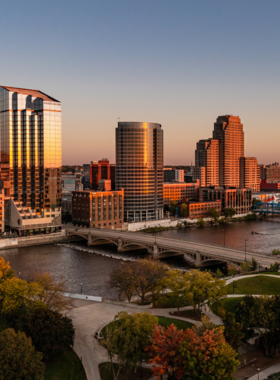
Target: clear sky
{"points": [[180, 63]]}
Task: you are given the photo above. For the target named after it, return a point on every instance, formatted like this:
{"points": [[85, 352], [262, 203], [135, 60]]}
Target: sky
{"points": [[180, 63]]}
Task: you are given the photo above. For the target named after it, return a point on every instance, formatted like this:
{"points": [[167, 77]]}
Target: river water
{"points": [[91, 266]]}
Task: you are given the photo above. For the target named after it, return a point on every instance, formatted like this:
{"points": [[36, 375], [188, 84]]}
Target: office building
{"points": [[139, 169], [30, 128], [179, 192], [102, 209], [207, 162], [2, 211], [239, 199], [170, 175], [229, 131], [270, 173], [270, 186], [71, 182], [249, 173], [102, 169]]}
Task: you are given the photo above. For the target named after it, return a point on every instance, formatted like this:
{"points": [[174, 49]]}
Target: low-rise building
{"points": [[200, 209], [239, 199], [170, 175], [179, 192], [270, 186], [101, 209], [67, 202]]}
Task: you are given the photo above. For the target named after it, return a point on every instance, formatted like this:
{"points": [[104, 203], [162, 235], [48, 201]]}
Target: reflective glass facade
{"points": [[30, 128], [139, 169]]}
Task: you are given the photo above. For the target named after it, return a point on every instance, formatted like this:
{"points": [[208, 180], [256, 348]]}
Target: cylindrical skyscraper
{"points": [[139, 169]]}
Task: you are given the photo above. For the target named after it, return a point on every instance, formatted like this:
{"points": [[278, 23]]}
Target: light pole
{"points": [[155, 238], [224, 231], [258, 373], [81, 288], [245, 249], [259, 266], [142, 361]]}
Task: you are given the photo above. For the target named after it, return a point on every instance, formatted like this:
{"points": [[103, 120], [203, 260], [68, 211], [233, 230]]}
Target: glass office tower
{"points": [[139, 169], [30, 128]]}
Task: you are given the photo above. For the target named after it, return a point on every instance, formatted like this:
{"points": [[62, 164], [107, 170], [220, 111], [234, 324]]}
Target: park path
{"points": [[264, 374]]}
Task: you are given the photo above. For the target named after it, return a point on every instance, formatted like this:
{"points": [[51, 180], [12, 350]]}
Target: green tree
{"points": [[233, 330], [184, 210], [179, 284], [204, 287], [214, 214], [229, 212], [18, 358], [243, 315], [123, 278], [172, 207], [208, 357], [129, 336], [249, 266], [200, 222], [50, 331], [206, 324]]}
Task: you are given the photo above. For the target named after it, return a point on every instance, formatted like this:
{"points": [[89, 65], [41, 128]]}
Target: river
{"points": [[92, 266]]}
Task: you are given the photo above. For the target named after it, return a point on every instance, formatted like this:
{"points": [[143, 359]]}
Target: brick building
{"points": [[102, 169], [239, 199], [179, 192], [102, 209], [270, 186], [200, 209], [270, 173], [207, 162]]}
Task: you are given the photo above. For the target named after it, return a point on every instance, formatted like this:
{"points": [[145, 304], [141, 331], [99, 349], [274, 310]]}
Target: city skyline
{"points": [[180, 65]]}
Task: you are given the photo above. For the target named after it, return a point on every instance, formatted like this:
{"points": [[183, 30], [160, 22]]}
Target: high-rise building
{"points": [[249, 173], [30, 128], [102, 169], [207, 162], [229, 131], [170, 175], [139, 169]]}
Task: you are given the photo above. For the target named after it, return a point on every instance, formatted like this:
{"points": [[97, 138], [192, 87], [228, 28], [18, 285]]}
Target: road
{"points": [[215, 252]]}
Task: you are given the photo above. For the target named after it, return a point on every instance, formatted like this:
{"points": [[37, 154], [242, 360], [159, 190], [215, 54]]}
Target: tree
{"points": [[177, 281], [214, 214], [184, 210], [218, 274], [200, 222], [243, 315], [50, 331], [52, 292], [204, 287], [111, 343], [147, 274], [164, 348], [208, 357], [206, 324], [16, 294], [18, 358], [123, 278], [130, 334], [233, 330], [5, 270], [248, 266], [229, 212], [172, 207]]}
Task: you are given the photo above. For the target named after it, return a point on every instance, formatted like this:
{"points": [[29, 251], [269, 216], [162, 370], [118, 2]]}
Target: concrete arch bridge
{"points": [[198, 255]]}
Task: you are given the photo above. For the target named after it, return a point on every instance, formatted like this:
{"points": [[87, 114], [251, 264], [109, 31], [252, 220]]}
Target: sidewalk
{"points": [[264, 374]]}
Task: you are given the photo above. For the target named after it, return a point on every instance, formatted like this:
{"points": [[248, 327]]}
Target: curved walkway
{"points": [[237, 278], [264, 374]]}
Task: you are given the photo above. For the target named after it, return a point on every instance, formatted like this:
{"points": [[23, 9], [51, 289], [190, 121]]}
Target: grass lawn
{"points": [[66, 366], [106, 374], [228, 304], [166, 322], [187, 314], [168, 303], [255, 285]]}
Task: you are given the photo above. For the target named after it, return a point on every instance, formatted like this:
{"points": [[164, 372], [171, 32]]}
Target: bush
{"points": [[276, 251], [222, 221], [200, 222], [251, 217]]}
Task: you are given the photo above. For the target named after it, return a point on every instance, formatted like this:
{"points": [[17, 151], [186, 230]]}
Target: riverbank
{"points": [[28, 241]]}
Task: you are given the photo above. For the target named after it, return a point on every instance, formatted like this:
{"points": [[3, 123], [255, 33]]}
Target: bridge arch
{"points": [[80, 235]]}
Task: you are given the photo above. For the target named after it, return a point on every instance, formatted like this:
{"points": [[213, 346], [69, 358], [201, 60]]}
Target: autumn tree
{"points": [[5, 270], [18, 358], [184, 210], [123, 279], [147, 274], [52, 292], [16, 294], [50, 331], [208, 357], [204, 287], [176, 281], [200, 328], [164, 348]]}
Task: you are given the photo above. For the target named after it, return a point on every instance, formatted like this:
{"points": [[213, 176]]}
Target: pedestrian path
{"points": [[264, 374]]}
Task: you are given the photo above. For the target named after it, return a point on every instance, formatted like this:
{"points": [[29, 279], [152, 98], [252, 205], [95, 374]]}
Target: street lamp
{"points": [[259, 266], [142, 361], [258, 373], [81, 288], [155, 238], [245, 248], [224, 231]]}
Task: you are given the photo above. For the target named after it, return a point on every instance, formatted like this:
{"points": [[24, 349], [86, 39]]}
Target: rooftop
{"points": [[34, 93]]}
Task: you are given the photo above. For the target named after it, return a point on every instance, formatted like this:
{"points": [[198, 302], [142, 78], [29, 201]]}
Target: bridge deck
{"points": [[215, 252]]}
